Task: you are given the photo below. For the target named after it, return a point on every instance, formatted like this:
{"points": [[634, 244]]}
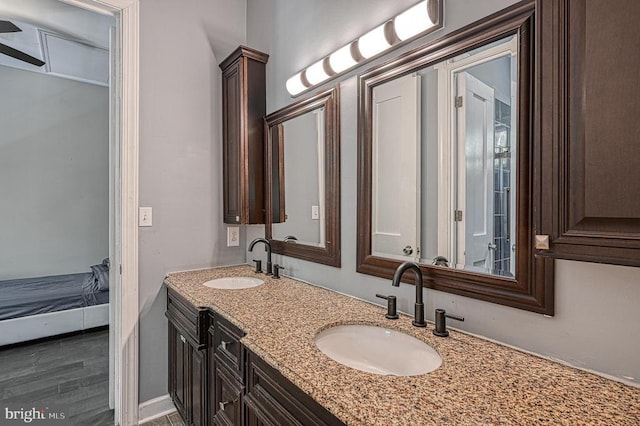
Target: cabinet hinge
{"points": [[457, 215], [458, 101]]}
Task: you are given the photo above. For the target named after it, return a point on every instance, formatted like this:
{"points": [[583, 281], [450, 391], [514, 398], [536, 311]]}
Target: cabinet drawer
{"points": [[227, 347], [190, 321], [272, 399]]}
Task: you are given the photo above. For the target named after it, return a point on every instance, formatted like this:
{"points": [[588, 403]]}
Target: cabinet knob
{"points": [[223, 404], [183, 339], [224, 345]]}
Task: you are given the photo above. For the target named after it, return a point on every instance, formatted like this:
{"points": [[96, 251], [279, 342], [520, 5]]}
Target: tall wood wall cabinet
{"points": [[243, 111], [589, 130]]}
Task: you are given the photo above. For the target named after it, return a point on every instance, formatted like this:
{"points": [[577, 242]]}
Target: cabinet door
{"points": [[243, 110], [231, 141], [180, 372], [590, 96], [198, 373], [228, 397]]}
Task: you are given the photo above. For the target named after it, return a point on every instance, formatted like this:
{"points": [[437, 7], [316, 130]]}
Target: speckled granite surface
{"points": [[479, 382]]}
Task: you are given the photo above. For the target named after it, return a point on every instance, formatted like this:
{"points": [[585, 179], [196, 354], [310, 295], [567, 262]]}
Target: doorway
{"points": [[124, 239]]}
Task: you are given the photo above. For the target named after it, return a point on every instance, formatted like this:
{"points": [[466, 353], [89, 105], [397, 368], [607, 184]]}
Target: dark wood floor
{"points": [[70, 372]]}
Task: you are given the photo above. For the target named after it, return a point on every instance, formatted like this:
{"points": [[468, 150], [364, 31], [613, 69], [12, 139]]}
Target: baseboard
{"points": [[155, 408]]}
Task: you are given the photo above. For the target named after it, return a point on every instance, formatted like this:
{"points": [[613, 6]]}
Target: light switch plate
{"points": [[145, 216], [233, 236]]}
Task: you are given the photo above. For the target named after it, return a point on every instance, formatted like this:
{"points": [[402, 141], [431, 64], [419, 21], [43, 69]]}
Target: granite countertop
{"points": [[478, 383]]}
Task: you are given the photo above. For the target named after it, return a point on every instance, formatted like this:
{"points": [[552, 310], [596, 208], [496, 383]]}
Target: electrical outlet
{"points": [[145, 216], [233, 236], [315, 212]]}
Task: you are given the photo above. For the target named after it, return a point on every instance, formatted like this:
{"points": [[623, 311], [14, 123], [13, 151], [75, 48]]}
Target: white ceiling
{"points": [[60, 17], [72, 41]]}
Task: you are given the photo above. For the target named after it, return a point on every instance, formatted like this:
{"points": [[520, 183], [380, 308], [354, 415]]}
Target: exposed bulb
{"points": [[373, 42], [295, 85]]}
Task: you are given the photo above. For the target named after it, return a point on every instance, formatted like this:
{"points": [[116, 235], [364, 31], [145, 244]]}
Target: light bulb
{"points": [[316, 73], [373, 42], [412, 21], [342, 59], [295, 85]]}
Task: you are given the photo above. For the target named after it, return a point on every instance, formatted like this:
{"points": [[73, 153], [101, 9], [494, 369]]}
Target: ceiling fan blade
{"points": [[8, 27], [10, 51]]}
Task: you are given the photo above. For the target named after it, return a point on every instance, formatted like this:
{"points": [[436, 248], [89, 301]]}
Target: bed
{"points": [[33, 308]]}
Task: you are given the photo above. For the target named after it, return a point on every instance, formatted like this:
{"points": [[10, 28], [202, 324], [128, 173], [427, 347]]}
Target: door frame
{"points": [[125, 320]]}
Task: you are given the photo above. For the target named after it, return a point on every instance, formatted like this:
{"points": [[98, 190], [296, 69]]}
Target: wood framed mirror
{"points": [[303, 179], [447, 164]]}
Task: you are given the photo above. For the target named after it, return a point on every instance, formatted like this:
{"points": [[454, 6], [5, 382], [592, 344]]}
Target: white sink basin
{"points": [[378, 350], [234, 283]]}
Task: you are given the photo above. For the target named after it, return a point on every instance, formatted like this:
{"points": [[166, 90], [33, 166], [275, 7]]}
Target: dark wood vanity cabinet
{"points": [[215, 380], [226, 372], [243, 110], [271, 399], [187, 359], [589, 129]]}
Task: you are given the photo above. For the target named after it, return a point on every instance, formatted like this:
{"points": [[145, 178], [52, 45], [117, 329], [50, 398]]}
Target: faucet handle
{"points": [[258, 266], [276, 271], [441, 322], [391, 306]]}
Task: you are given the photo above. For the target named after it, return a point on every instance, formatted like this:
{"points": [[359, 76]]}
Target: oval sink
{"points": [[378, 350], [234, 283]]}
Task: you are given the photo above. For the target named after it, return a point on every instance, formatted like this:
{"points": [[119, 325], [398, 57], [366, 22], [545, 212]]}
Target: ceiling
{"points": [[74, 42]]}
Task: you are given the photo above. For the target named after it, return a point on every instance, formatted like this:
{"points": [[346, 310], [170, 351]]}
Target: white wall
{"points": [[54, 175], [181, 44], [597, 321]]}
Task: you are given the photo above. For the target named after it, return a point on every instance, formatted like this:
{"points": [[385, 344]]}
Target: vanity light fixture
{"points": [[316, 73], [295, 84], [342, 59], [374, 42], [418, 20], [412, 21]]}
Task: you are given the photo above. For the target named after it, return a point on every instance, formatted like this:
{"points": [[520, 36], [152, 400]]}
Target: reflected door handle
{"points": [[407, 251], [492, 246]]}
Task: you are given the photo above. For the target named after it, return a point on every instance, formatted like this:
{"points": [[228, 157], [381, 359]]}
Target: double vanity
{"points": [[479, 162], [254, 356]]}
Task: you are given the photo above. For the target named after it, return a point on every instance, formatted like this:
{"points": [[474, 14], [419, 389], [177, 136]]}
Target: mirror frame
{"points": [[533, 287], [330, 253]]}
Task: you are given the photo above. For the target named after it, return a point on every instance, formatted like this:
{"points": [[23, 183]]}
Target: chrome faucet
{"points": [[267, 247], [418, 320]]}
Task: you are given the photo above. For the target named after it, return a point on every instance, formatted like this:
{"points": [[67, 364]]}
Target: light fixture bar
{"points": [[420, 19]]}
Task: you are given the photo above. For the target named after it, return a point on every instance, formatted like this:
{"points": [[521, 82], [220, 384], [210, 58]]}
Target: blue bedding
{"points": [[33, 296]]}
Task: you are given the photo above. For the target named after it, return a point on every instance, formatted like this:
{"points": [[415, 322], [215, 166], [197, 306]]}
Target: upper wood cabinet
{"points": [[243, 110], [589, 129]]}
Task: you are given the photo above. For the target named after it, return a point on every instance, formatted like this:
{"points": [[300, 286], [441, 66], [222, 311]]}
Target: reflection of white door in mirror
{"points": [[475, 135], [476, 168], [395, 224]]}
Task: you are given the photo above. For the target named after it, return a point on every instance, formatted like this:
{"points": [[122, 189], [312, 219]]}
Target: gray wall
{"points": [[54, 175], [301, 179], [597, 321], [181, 44]]}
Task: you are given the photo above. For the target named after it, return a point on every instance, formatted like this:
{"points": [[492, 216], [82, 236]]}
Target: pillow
{"points": [[101, 275]]}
